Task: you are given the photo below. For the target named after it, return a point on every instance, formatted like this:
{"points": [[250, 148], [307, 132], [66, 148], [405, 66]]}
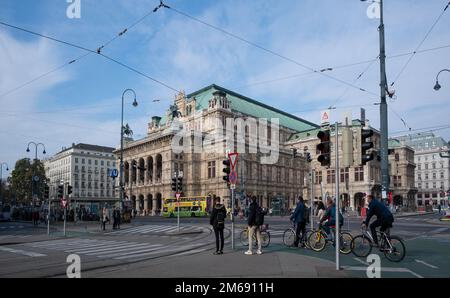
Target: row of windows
{"points": [[344, 175], [427, 185], [96, 162], [433, 166], [434, 176]]}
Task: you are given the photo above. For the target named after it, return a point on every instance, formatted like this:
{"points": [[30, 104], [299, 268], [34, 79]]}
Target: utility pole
{"points": [[337, 239], [383, 112]]}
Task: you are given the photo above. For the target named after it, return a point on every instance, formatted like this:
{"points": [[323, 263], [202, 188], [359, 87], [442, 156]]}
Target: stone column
{"points": [[145, 204], [155, 204]]}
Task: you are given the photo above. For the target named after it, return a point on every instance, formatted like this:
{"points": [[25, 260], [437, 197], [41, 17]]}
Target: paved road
{"points": [[154, 247]]}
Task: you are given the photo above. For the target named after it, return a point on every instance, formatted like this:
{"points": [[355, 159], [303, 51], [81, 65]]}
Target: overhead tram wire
{"points": [[418, 47], [267, 50], [354, 81], [76, 59], [95, 52], [341, 66]]}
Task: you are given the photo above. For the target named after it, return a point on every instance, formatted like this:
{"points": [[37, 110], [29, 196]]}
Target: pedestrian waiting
{"points": [[217, 220]]}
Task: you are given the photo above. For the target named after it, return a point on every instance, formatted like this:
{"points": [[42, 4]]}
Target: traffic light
{"points": [[180, 184], [69, 189], [294, 152], [46, 191], [308, 157], [366, 157], [324, 148], [226, 170], [174, 184], [60, 191]]}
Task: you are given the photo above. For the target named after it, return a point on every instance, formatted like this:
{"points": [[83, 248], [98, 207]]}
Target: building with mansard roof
{"points": [[206, 124]]}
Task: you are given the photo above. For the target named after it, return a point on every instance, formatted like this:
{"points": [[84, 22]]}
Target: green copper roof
{"points": [[250, 107], [394, 143]]}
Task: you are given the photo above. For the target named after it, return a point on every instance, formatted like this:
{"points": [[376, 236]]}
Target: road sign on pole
{"points": [[233, 159], [233, 177]]}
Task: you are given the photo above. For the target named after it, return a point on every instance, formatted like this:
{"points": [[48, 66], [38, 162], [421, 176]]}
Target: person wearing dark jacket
{"points": [[217, 220], [253, 227], [298, 217], [384, 217]]}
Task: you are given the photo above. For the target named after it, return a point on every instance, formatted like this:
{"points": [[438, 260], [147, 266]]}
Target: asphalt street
{"points": [[155, 247]]}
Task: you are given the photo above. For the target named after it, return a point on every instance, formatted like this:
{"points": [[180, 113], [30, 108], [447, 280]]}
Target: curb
{"points": [[415, 214]]}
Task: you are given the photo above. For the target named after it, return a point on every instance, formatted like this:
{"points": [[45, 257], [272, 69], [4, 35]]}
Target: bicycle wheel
{"points": [[244, 237], [397, 251], [265, 239], [361, 246], [289, 237], [345, 244], [317, 241]]}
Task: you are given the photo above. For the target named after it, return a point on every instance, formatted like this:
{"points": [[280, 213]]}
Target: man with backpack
{"points": [[298, 217], [217, 220], [255, 221], [330, 216]]}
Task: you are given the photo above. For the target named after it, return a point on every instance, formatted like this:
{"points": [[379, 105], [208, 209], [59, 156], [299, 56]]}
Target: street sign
{"points": [[325, 117], [233, 177], [233, 159], [36, 178], [113, 173], [177, 195], [63, 203], [232, 186]]}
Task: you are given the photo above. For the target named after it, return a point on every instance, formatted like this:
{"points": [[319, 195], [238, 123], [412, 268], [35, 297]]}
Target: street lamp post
{"points": [[437, 86], [1, 179], [122, 182], [36, 145]]}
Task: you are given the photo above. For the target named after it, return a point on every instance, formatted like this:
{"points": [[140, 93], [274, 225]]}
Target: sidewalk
{"points": [[232, 264]]}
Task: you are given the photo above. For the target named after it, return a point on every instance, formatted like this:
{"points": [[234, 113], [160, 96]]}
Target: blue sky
{"points": [[81, 102]]}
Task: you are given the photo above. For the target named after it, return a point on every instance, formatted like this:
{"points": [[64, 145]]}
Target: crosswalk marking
{"points": [[22, 252], [119, 250], [146, 229]]}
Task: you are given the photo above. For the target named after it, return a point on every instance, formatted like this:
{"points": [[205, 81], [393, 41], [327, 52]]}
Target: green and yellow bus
{"points": [[196, 206]]}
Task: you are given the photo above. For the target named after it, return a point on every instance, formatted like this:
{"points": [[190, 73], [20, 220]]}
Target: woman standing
{"points": [[217, 220], [321, 212], [104, 217]]}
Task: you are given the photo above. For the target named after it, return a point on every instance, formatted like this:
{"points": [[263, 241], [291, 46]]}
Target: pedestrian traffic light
{"points": [[366, 145], [174, 184], [324, 148], [226, 170], [60, 191], [69, 189], [294, 152], [308, 157], [46, 191], [180, 184]]}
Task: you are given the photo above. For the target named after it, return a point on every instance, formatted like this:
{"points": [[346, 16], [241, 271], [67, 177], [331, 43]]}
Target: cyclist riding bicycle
{"points": [[384, 217], [330, 217]]}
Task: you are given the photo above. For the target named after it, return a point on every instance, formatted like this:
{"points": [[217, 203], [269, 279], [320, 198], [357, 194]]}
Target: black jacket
{"points": [[252, 213], [213, 218]]}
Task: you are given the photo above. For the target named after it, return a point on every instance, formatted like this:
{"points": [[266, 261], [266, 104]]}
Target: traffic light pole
{"points": [[383, 111], [232, 219], [312, 197], [65, 209], [337, 239]]}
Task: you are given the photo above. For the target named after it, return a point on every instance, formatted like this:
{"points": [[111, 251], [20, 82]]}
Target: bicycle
{"points": [[265, 236], [319, 239], [392, 246], [289, 237]]}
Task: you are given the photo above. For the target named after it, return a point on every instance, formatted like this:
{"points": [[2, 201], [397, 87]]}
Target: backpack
{"points": [[220, 218], [259, 218]]}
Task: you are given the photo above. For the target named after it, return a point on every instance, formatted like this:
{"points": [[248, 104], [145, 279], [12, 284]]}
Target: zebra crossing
{"points": [[156, 229], [11, 227], [109, 249]]}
